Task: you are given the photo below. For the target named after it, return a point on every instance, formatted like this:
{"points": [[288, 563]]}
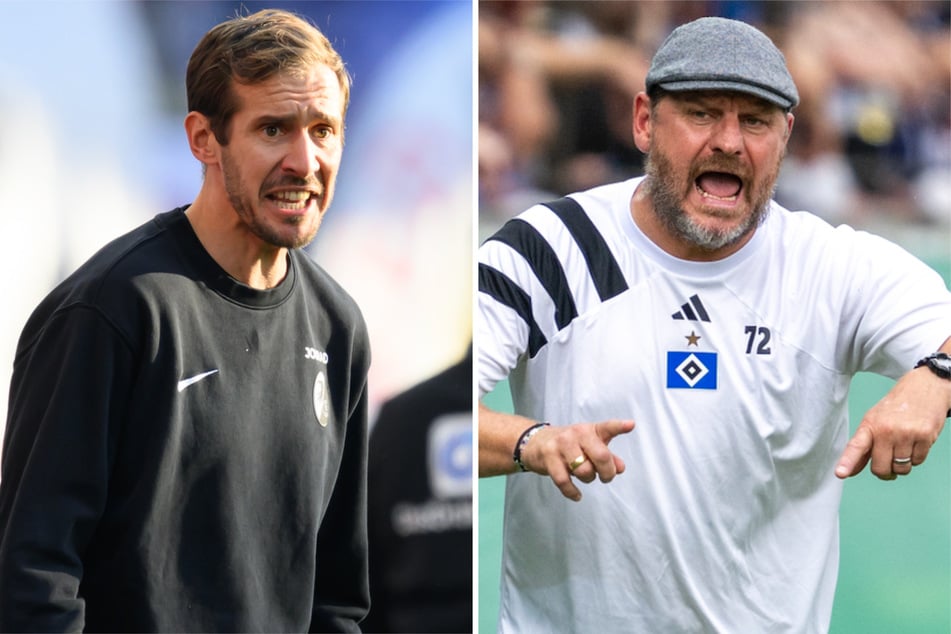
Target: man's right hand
{"points": [[579, 450], [551, 450]]}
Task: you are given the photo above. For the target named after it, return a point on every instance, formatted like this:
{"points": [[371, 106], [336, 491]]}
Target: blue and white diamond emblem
{"points": [[692, 370]]}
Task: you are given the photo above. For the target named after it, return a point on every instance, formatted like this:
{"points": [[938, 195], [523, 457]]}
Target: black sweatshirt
{"points": [[183, 452]]}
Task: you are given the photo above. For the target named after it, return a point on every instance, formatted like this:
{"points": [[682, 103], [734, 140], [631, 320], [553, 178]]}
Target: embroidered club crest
{"points": [[321, 399]]}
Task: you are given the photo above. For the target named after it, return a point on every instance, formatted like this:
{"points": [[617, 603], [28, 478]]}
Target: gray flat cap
{"points": [[722, 54]]}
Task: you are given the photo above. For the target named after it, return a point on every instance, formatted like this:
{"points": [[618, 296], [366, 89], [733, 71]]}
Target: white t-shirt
{"points": [[737, 375]]}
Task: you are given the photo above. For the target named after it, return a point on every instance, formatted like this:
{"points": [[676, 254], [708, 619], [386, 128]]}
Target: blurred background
{"points": [[92, 101], [871, 148]]}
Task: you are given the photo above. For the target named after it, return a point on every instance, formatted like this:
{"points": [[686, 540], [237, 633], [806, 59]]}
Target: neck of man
{"points": [[229, 241]]}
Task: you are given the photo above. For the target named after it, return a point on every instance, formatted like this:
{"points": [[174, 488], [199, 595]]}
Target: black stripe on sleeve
{"points": [[530, 244], [603, 268], [507, 292]]}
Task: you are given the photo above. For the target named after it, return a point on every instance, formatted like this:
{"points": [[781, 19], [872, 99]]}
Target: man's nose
{"points": [[727, 135], [301, 159]]}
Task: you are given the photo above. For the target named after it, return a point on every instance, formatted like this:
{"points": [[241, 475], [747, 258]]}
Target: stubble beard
{"points": [[245, 209], [666, 194]]}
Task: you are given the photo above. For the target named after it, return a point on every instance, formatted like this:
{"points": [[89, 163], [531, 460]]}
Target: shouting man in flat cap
{"points": [[729, 329]]}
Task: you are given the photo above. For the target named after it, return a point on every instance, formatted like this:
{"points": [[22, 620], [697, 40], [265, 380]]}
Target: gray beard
{"points": [[665, 197]]}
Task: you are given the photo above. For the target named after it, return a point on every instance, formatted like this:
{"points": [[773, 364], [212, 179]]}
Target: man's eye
{"points": [[271, 131], [322, 132]]}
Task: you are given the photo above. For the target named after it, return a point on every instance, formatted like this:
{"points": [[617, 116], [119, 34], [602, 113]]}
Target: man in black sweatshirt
{"points": [[186, 442]]}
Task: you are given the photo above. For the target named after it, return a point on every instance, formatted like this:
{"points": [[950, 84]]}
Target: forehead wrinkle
{"points": [[288, 99]]}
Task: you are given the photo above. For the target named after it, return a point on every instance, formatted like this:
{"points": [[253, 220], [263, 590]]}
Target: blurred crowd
{"points": [[872, 138]]}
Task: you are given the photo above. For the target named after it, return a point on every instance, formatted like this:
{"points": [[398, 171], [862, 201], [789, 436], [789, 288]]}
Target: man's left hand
{"points": [[898, 432]]}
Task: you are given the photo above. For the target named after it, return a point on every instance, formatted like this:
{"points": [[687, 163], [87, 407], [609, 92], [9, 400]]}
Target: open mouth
{"points": [[720, 186], [292, 200]]}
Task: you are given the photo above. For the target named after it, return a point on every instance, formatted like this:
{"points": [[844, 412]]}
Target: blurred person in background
{"points": [[420, 507], [187, 431], [729, 329]]}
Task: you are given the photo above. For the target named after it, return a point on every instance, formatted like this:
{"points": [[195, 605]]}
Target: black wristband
{"points": [[522, 441], [940, 364]]}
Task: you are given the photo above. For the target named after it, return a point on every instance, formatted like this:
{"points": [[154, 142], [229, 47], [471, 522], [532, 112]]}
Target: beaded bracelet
{"points": [[522, 441]]}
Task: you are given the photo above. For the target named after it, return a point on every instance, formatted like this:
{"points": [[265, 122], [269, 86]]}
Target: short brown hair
{"points": [[251, 49]]}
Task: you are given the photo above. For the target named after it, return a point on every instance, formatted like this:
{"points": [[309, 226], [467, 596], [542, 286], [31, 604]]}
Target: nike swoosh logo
{"points": [[195, 379]]}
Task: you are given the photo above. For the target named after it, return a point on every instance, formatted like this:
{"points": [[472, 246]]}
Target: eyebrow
{"points": [[292, 119], [754, 107]]}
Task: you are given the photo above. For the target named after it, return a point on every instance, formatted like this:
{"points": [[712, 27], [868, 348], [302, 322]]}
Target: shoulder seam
{"points": [[71, 307]]}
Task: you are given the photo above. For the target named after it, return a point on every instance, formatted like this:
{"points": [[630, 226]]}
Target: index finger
{"points": [[856, 455], [605, 463], [609, 429]]}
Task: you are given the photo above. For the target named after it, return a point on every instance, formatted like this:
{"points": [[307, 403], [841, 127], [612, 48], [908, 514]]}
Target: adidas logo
{"points": [[692, 311]]}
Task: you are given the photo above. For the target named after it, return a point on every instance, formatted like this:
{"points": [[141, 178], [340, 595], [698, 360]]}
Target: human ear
{"points": [[642, 122], [201, 140]]}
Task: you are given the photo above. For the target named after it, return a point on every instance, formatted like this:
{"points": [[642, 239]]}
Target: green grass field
{"points": [[895, 570]]}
